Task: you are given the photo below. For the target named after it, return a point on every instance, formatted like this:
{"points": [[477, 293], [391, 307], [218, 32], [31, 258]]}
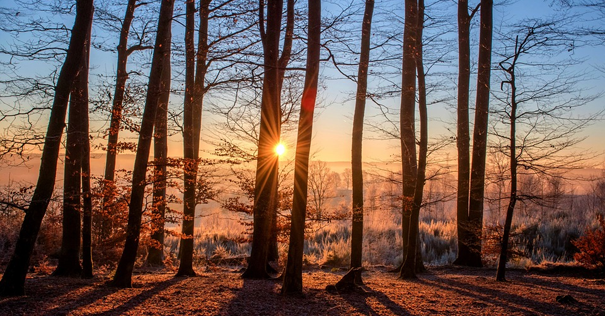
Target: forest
{"points": [[290, 157]]}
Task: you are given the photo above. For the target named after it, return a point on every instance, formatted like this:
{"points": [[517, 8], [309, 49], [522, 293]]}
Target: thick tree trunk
{"points": [[123, 273], [266, 169], [407, 121], [116, 118], [13, 279], [463, 133], [69, 257], [357, 138], [293, 275], [77, 133], [409, 268], [160, 155], [477, 185]]}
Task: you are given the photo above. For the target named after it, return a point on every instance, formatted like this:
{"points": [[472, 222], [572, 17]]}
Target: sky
{"points": [[333, 123]]}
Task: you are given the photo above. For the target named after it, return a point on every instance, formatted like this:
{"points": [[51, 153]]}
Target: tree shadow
{"points": [[143, 296], [517, 303]]}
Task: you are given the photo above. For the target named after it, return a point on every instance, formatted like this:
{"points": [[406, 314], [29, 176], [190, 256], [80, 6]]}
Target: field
{"points": [[220, 291]]}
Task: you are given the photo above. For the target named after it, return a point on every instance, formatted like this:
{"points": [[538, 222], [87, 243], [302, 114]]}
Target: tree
{"points": [[69, 258], [293, 273], [124, 51], [123, 275], [537, 104], [411, 262], [267, 162], [463, 134], [357, 138], [160, 155], [13, 280], [407, 122], [477, 183]]}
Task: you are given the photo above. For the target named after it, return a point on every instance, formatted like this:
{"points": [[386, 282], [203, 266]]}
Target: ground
{"points": [[221, 291]]}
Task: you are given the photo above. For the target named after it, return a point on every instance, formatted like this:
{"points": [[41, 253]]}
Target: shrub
{"points": [[592, 246]]}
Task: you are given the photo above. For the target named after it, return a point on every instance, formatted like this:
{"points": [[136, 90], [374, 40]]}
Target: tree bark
{"points": [[160, 155], [407, 121], [477, 185], [69, 258], [267, 162], [409, 268], [116, 118], [283, 64], [13, 279], [293, 274], [463, 133], [123, 275], [357, 138]]}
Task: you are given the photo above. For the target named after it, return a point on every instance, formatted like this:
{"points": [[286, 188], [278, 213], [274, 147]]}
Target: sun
{"points": [[280, 149]]}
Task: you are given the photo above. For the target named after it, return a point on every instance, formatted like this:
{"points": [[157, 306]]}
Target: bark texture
{"points": [[293, 274]]}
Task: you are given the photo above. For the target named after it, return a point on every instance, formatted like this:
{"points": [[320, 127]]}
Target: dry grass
{"points": [[442, 291]]}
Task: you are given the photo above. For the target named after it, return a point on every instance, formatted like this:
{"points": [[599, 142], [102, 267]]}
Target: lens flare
{"points": [[280, 149]]}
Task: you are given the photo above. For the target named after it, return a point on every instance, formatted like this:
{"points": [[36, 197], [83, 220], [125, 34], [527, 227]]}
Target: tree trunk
{"points": [[86, 187], [408, 270], [357, 138], [77, 133], [160, 154], [273, 254], [123, 275], [266, 169], [13, 279], [293, 275], [477, 186], [116, 119], [463, 134], [500, 274], [407, 129]]}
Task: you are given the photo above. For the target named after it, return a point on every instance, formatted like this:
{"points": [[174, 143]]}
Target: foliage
{"points": [[592, 246]]}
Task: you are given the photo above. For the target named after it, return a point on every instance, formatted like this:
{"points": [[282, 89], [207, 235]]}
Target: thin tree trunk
{"points": [[266, 168], [407, 129], [13, 279], [160, 154], [116, 119], [293, 275], [123, 275], [194, 94], [86, 188], [477, 186], [357, 138], [519, 47], [463, 133], [409, 268], [283, 64]]}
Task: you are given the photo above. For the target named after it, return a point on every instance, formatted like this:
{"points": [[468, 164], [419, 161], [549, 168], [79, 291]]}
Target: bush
{"points": [[592, 246]]}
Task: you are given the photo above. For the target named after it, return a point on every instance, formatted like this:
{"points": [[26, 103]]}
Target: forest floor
{"points": [[221, 291]]}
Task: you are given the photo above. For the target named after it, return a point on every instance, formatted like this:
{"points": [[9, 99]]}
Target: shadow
{"points": [[511, 303], [359, 301], [143, 296]]}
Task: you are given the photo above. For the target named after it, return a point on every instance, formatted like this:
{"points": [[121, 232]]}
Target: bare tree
{"points": [[13, 280], [293, 273], [477, 182], [537, 106], [123, 275]]}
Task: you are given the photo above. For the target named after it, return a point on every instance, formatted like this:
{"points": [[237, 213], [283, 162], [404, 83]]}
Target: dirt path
{"points": [[441, 291]]}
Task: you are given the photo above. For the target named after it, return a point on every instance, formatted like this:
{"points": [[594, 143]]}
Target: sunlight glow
{"points": [[280, 149]]}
